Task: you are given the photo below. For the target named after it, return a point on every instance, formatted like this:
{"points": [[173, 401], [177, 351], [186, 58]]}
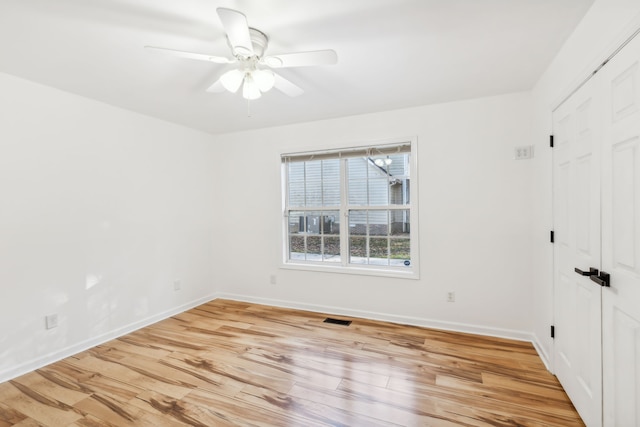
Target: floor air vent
{"points": [[337, 321]]}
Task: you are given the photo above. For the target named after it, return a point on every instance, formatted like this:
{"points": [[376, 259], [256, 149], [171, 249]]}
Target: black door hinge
{"points": [[551, 141], [552, 237], [553, 331]]}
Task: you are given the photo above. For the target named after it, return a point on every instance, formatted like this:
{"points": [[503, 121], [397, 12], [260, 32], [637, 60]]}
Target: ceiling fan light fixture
{"points": [[250, 89], [265, 79], [231, 80]]}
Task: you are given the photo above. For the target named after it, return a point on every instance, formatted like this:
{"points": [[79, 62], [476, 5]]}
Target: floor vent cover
{"points": [[337, 321]]}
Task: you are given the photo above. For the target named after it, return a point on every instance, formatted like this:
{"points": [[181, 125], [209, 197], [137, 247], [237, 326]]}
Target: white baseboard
{"points": [[47, 359], [405, 320], [542, 353]]}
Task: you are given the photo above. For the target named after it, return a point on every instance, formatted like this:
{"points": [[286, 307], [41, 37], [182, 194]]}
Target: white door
{"points": [[621, 238], [577, 300]]}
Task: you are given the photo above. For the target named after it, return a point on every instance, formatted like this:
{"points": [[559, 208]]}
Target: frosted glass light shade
{"points": [[250, 89], [231, 80], [265, 79], [253, 82]]}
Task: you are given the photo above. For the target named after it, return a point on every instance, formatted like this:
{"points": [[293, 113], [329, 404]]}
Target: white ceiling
{"points": [[391, 53]]}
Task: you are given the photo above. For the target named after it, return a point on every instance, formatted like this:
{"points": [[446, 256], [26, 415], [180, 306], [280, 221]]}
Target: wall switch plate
{"points": [[51, 321], [177, 285], [273, 279], [451, 297], [523, 152]]}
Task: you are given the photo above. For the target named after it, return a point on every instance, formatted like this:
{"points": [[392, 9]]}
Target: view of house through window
{"points": [[350, 207]]}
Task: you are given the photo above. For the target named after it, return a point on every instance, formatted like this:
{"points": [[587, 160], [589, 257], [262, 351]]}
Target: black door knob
{"points": [[603, 279], [592, 271]]}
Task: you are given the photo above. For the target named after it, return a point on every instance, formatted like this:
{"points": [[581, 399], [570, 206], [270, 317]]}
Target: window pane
{"points": [[358, 192], [296, 193], [296, 222], [358, 250], [400, 223], [331, 182], [313, 183], [399, 166], [296, 171], [378, 223], [314, 222], [330, 222], [378, 191], [332, 249], [296, 248], [395, 192], [398, 192], [357, 178], [314, 248], [400, 251], [357, 168], [378, 251], [358, 223]]}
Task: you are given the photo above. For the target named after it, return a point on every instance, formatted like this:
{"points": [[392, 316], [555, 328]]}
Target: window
{"points": [[351, 209]]}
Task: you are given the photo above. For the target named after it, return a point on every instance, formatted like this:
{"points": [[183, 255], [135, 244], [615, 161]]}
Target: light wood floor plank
{"points": [[228, 363]]}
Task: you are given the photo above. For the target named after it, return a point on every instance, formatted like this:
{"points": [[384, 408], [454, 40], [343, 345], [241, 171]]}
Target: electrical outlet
{"points": [[523, 152], [177, 285], [273, 279], [51, 321], [451, 297]]}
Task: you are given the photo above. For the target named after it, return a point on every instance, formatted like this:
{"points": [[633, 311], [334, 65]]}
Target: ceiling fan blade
{"points": [[302, 59], [216, 87], [191, 55], [286, 87], [237, 28]]}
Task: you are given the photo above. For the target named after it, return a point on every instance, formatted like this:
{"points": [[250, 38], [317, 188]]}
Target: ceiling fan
{"points": [[253, 73]]}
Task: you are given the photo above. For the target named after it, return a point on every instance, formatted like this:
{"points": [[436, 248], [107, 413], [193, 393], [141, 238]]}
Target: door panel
{"points": [[624, 200], [621, 238], [577, 349], [583, 210]]}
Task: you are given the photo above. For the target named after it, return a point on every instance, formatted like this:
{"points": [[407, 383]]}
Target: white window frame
{"points": [[407, 272]]}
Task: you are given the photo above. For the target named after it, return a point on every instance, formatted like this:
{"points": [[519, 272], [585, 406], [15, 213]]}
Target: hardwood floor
{"points": [[229, 363]]}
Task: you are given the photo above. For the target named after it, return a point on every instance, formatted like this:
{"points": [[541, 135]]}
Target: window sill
{"points": [[409, 273]]}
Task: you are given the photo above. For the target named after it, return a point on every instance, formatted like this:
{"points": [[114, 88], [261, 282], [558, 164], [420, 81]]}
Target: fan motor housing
{"points": [[259, 42]]}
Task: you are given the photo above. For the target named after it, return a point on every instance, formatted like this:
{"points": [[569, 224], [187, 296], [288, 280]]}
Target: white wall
{"points": [[101, 210], [475, 218], [604, 27]]}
